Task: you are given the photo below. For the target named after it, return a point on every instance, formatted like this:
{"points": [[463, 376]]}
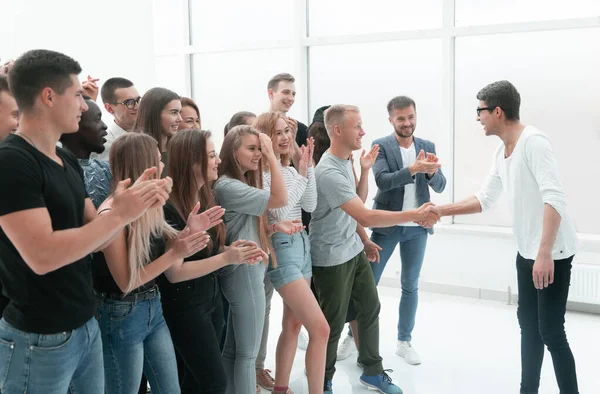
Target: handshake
{"points": [[428, 215]]}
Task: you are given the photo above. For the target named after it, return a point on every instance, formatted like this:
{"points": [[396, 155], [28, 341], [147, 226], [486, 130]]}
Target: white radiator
{"points": [[585, 283]]}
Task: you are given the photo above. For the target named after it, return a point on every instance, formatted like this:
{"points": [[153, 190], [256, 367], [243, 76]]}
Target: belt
{"points": [[134, 297]]}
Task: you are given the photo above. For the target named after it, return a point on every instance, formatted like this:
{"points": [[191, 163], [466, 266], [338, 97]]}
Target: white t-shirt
{"points": [[409, 156], [529, 176]]}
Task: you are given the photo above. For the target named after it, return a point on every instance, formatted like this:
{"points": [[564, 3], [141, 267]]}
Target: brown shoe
{"points": [[265, 380]]}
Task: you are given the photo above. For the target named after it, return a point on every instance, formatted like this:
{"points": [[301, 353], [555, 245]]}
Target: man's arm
{"points": [[487, 195], [46, 250], [540, 158], [55, 249], [378, 218]]}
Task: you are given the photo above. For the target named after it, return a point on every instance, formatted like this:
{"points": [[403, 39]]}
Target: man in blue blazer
{"points": [[404, 171]]}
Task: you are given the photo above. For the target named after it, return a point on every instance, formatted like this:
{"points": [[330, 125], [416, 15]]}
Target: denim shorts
{"points": [[293, 259]]}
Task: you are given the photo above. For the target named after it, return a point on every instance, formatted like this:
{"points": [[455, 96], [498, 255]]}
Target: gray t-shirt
{"points": [[243, 205], [333, 237]]}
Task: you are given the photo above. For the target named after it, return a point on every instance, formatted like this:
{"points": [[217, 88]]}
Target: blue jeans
{"points": [[413, 241], [244, 288], [135, 337], [67, 362]]}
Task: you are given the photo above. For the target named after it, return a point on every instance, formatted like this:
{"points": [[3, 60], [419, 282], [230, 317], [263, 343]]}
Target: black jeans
{"points": [[193, 311], [541, 316]]}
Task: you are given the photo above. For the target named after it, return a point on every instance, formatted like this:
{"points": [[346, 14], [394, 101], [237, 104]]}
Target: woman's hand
{"points": [[188, 243], [203, 221]]}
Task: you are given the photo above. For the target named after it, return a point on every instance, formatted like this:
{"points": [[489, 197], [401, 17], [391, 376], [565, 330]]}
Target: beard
{"points": [[405, 132]]}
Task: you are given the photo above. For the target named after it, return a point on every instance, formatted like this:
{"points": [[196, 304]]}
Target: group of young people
{"points": [[138, 251]]}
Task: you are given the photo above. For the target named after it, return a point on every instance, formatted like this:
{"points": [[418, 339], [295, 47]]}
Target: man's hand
{"points": [[372, 251], [431, 158], [129, 203], [367, 160], [429, 215], [543, 271], [423, 165], [90, 87]]}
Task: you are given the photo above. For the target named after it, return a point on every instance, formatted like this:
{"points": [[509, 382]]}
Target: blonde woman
{"points": [[135, 336], [291, 277]]}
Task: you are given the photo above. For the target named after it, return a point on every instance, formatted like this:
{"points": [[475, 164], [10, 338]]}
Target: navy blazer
{"points": [[391, 177]]}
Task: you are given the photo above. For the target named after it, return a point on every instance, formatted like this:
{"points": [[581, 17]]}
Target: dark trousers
{"points": [[336, 287], [541, 316], [194, 315]]}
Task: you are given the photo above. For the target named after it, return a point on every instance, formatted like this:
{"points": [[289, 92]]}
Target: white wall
{"points": [[108, 38]]}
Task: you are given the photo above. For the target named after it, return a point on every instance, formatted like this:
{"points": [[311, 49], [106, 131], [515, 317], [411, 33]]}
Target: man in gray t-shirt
{"points": [[333, 237], [341, 270]]}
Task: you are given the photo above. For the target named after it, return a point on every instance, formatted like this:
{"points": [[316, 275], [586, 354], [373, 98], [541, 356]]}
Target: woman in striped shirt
{"points": [[291, 277]]}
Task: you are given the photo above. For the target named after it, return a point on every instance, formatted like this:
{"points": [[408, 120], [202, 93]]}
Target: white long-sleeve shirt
{"points": [[302, 194], [530, 178]]}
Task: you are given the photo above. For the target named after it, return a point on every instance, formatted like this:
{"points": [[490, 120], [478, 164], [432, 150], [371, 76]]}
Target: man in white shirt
{"points": [[525, 168], [121, 99]]}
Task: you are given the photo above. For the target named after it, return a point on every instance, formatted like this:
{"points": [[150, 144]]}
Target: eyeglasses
{"points": [[485, 109], [131, 103]]}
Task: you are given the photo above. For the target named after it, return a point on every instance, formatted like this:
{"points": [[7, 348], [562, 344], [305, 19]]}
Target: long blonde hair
{"points": [[130, 155], [230, 167]]}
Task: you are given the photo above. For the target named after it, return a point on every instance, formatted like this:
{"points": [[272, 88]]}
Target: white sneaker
{"points": [[346, 348], [405, 350], [303, 339]]}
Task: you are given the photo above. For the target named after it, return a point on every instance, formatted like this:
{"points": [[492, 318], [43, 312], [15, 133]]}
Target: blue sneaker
{"points": [[328, 387], [382, 383]]}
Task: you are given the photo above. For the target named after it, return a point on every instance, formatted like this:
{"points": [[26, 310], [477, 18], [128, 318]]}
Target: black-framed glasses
{"points": [[485, 109], [131, 103]]}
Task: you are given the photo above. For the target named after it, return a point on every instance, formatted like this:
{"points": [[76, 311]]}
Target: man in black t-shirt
{"points": [[49, 339]]}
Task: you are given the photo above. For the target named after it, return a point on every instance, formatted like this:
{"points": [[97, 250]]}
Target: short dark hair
{"points": [[400, 102], [502, 94], [37, 69], [274, 82], [4, 84], [108, 89]]}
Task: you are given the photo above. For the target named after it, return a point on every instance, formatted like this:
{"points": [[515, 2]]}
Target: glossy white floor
{"points": [[468, 346]]}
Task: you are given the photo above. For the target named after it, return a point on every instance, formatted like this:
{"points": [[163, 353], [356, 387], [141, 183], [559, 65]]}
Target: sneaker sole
{"points": [[371, 387]]}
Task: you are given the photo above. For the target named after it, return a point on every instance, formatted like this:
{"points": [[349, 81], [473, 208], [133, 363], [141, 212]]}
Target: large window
{"points": [[439, 52]]}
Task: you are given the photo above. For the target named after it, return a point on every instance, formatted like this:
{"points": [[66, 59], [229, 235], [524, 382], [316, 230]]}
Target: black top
{"points": [[301, 137], [63, 299], [178, 223], [105, 283], [301, 134]]}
